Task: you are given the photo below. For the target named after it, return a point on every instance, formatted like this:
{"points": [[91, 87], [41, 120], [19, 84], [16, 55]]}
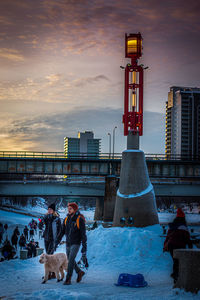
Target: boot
{"points": [[80, 275], [67, 280]]}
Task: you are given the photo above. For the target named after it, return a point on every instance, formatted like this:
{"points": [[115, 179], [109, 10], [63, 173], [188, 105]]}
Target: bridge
{"points": [[48, 163], [62, 188], [172, 176]]}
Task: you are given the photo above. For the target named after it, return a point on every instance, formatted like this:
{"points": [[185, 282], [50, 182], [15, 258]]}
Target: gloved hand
{"points": [[84, 260]]}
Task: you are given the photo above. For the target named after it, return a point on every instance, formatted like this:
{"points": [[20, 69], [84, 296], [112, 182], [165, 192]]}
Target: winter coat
{"points": [[178, 236], [22, 241], [32, 248], [16, 231], [31, 232], [7, 250], [32, 224], [52, 224], [74, 235], [26, 230], [14, 239]]}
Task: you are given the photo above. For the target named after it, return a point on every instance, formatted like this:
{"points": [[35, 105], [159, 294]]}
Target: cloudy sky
{"points": [[60, 67]]}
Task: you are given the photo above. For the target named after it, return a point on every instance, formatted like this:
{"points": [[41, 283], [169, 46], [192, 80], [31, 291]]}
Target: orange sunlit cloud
{"points": [[11, 54]]}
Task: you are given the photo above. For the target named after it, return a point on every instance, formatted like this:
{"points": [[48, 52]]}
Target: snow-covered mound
{"points": [[117, 248]]}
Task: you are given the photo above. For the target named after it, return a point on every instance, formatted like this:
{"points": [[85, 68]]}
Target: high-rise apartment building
{"points": [[182, 134], [84, 145]]}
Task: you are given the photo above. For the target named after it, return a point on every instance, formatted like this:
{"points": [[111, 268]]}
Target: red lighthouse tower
{"points": [[133, 91]]}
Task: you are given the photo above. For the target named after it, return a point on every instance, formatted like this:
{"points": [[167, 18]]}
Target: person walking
{"points": [[178, 237], [22, 241], [52, 230], [16, 231], [26, 230], [14, 239], [40, 234], [73, 228]]}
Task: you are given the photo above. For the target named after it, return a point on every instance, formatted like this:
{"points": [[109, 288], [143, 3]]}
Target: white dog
{"points": [[54, 263]]}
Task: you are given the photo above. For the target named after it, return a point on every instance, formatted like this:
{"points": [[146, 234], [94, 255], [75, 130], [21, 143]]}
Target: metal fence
{"points": [[96, 156]]}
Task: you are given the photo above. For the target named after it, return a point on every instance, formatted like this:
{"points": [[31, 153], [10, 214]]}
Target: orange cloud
{"points": [[11, 54]]}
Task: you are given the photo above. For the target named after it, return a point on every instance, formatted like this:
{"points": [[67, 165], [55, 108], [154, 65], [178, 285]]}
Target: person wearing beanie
{"points": [[52, 206], [73, 205], [178, 237], [52, 230], [180, 213], [73, 228]]}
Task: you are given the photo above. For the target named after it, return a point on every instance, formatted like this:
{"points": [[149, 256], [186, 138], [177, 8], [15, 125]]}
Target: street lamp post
{"points": [[109, 144], [114, 140]]}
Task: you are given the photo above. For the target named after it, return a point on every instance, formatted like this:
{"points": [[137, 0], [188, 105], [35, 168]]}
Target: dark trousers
{"points": [[175, 265], [49, 247], [71, 255]]}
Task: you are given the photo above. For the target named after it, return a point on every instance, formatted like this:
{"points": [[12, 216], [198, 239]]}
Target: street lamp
{"points": [[133, 46], [133, 90], [109, 143], [114, 140]]}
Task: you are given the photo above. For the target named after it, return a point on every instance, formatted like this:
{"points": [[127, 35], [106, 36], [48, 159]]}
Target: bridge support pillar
{"points": [[99, 209], [135, 201], [110, 198]]}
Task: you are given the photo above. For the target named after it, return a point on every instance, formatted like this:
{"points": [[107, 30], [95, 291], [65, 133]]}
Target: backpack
{"points": [[77, 220]]}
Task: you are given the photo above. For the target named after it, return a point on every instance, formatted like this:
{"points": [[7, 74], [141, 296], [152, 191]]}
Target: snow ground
{"points": [[111, 251]]}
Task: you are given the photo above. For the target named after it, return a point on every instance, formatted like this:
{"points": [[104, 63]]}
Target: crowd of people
{"points": [[25, 241], [73, 228]]}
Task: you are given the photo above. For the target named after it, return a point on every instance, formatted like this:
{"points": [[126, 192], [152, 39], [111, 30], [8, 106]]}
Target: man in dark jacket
{"points": [[178, 237], [74, 229]]}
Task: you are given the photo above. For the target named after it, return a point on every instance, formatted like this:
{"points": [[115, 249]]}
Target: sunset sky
{"points": [[60, 68]]}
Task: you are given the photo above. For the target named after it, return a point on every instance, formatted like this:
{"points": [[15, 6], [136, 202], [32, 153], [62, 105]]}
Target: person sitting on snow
{"points": [[32, 245], [8, 250], [178, 237]]}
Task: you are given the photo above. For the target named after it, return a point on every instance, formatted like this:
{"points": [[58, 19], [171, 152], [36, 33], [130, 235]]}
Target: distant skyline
{"points": [[60, 68]]}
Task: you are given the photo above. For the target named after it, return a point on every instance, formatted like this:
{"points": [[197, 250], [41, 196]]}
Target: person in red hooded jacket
{"points": [[178, 237]]}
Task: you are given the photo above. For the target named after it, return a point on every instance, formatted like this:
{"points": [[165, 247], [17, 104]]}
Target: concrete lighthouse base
{"points": [[135, 201]]}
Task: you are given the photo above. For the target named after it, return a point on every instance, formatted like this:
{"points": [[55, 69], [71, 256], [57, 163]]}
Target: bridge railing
{"points": [[30, 154]]}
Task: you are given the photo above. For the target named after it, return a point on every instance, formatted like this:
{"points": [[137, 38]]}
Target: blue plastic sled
{"points": [[131, 280]]}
